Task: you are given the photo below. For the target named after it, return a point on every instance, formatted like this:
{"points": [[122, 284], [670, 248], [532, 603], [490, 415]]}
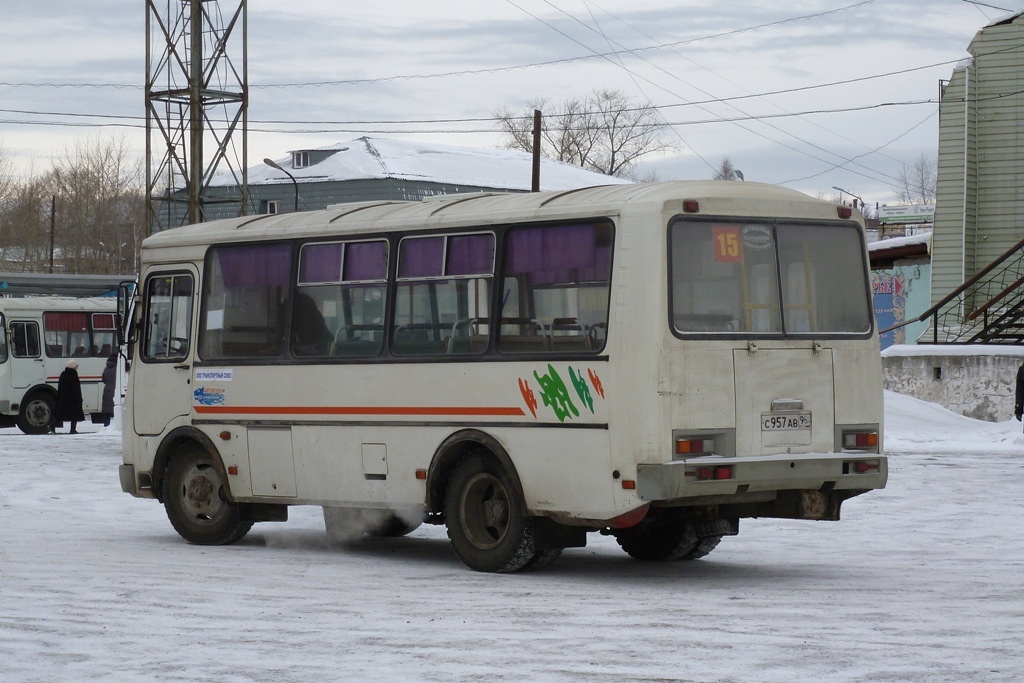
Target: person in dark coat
{"points": [[1018, 401], [69, 399], [109, 387]]}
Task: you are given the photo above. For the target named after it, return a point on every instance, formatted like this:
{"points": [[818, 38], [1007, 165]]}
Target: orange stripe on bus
{"points": [[361, 410]]}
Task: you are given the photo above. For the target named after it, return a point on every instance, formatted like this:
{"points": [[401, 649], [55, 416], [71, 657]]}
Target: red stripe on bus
{"points": [[361, 410]]}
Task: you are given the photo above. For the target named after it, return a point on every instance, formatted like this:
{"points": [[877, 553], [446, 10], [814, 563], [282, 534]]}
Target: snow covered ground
{"points": [[923, 581]]}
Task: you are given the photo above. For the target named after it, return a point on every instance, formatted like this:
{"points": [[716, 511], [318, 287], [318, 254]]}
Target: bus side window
{"points": [[443, 294], [246, 296], [339, 305], [25, 339], [557, 286]]}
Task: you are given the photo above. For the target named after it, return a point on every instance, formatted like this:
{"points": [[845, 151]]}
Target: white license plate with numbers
{"points": [[775, 422]]}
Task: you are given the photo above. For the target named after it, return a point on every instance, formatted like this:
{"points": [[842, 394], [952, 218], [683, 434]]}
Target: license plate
{"points": [[774, 422]]}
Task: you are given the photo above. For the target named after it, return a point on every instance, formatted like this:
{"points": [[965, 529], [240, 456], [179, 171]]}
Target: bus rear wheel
{"points": [[196, 501], [664, 542], [486, 524], [36, 413]]}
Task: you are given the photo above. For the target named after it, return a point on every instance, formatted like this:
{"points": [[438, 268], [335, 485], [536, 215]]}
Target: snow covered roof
{"points": [[368, 158], [922, 238], [1005, 19]]}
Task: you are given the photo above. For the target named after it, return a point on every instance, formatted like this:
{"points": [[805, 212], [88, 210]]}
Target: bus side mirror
{"points": [[125, 309]]}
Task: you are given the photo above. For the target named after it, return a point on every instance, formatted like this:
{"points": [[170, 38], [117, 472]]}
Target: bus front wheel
{"points": [[36, 413], [485, 520], [196, 501]]}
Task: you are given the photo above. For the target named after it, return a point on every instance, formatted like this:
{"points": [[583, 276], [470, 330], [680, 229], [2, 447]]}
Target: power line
{"points": [[471, 72], [676, 77], [747, 117]]}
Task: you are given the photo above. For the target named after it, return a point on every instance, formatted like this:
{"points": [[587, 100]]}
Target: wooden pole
{"points": [[535, 187], [53, 225]]}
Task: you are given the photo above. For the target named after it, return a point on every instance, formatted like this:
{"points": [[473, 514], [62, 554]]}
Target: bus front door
{"points": [[161, 382]]}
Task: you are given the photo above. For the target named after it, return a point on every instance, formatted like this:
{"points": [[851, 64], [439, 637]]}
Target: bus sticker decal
{"points": [[527, 392], [209, 396], [221, 375], [209, 408], [727, 244], [596, 381], [582, 390], [555, 394]]}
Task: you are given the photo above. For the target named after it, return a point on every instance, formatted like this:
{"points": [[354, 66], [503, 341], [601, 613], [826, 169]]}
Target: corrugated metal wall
{"points": [[981, 160]]}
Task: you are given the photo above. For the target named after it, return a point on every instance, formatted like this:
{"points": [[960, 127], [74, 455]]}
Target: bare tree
{"points": [[727, 171], [6, 177], [100, 206], [604, 132], [915, 183], [25, 226]]}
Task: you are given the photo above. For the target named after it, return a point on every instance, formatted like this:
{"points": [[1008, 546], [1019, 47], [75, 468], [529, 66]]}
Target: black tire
{"points": [[703, 547], [542, 559], [485, 519], [656, 541], [36, 412], [196, 500]]}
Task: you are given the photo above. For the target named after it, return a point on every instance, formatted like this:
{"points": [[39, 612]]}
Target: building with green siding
{"points": [[385, 169], [979, 211]]}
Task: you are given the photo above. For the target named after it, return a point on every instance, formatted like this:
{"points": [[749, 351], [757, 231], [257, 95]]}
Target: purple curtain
{"points": [[470, 255], [366, 261], [421, 257], [320, 263], [257, 265], [556, 248]]}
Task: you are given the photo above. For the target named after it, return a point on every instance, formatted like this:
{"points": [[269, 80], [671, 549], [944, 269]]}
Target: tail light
{"points": [[695, 446], [860, 466], [715, 473], [860, 441]]}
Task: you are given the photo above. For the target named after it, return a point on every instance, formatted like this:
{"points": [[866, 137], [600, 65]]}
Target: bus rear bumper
{"points": [[722, 480]]}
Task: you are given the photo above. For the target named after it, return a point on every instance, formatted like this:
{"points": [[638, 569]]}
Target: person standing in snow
{"points": [[109, 386], [69, 399], [1018, 401]]}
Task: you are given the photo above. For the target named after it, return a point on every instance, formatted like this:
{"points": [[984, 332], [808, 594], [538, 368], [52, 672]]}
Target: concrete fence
{"points": [[974, 380]]}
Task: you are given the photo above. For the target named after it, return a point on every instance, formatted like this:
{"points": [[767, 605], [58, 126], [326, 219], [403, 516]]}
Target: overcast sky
{"points": [[391, 61]]}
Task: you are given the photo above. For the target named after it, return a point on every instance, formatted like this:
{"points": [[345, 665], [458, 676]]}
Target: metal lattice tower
{"points": [[197, 96]]}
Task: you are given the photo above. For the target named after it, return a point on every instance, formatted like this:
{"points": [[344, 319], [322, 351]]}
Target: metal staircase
{"points": [[986, 309]]}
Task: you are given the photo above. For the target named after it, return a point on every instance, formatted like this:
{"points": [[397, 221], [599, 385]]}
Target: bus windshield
{"points": [[768, 279]]}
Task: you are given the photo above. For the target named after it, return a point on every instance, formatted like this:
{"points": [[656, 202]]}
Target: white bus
{"points": [[651, 361], [39, 336]]}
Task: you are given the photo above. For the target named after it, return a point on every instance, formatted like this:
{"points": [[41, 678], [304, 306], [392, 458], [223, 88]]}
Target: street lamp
{"points": [[273, 164]]}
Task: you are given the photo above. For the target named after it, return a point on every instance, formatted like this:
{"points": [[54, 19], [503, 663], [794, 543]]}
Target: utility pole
{"points": [[53, 225], [535, 185], [196, 64]]}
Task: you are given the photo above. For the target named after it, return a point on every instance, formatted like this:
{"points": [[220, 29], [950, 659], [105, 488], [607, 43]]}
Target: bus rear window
{"points": [[765, 279]]}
